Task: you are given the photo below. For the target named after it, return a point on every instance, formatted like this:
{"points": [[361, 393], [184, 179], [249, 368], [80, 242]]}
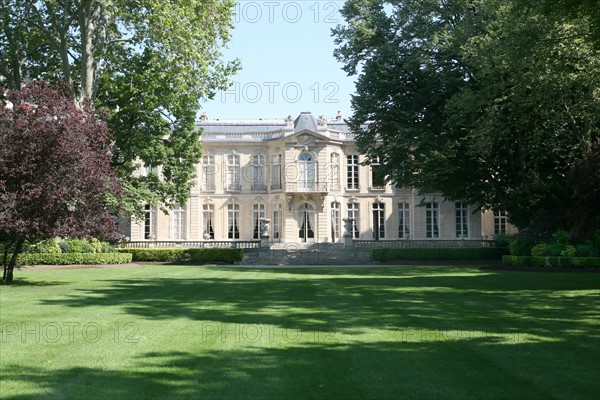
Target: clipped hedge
{"points": [[225, 255], [73, 258], [550, 261], [478, 253]]}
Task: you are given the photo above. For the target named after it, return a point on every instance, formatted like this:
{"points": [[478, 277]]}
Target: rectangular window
{"points": [[149, 223], [258, 212], [335, 221], [334, 171], [208, 172], [233, 221], [277, 221], [378, 221], [403, 220], [258, 172], [179, 223], [149, 170], [208, 216], [377, 175], [500, 222], [354, 214], [233, 172], [276, 172], [462, 221], [352, 170], [432, 220]]}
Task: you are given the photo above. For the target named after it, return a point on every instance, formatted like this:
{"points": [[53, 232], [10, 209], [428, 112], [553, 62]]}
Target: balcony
{"points": [[306, 187]]}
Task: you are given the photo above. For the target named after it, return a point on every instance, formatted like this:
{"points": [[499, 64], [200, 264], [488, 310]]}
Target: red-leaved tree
{"points": [[55, 172]]}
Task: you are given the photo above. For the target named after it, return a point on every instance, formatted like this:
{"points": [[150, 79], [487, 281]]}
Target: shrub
{"points": [[522, 244], [483, 253], [568, 251], [106, 247], [502, 240], [550, 261], [561, 236], [194, 255], [72, 258], [44, 246], [154, 254], [553, 249], [96, 244], [77, 246], [586, 250], [539, 250]]}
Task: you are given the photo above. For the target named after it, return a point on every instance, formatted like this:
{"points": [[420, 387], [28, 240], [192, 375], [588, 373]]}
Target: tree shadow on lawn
{"points": [[474, 368], [26, 282], [353, 303]]}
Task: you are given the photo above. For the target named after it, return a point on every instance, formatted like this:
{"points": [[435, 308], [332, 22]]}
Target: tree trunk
{"points": [[88, 71], [8, 269]]}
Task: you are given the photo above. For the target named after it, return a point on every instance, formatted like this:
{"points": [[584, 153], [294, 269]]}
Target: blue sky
{"points": [[286, 51]]}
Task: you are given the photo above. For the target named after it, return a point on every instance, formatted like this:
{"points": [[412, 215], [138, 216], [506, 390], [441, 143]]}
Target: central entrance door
{"points": [[306, 223]]}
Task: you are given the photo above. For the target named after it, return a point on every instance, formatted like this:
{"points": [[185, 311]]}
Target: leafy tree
{"points": [[584, 213], [147, 62], [55, 172], [489, 102]]}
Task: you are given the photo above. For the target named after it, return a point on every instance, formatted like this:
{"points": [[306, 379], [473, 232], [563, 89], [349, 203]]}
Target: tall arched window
{"points": [[258, 172], [334, 171], [378, 221], [233, 172], [403, 220], [233, 221], [306, 166], [178, 223], [432, 220], [149, 222], [335, 221], [276, 172], [276, 224], [306, 223], [353, 213], [208, 172], [258, 212], [208, 215]]}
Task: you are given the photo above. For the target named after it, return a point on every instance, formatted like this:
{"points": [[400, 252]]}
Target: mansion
{"points": [[306, 176]]}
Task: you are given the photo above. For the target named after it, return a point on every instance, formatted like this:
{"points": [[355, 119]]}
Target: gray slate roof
{"points": [[305, 122]]}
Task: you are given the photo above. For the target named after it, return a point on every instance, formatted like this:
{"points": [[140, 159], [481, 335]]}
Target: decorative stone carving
{"points": [[264, 227], [306, 140], [348, 226]]}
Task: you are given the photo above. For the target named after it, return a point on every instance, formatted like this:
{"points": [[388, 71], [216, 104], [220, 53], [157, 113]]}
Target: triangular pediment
{"points": [[306, 138]]}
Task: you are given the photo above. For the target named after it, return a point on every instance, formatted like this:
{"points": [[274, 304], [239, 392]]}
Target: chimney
{"points": [[338, 118], [204, 117]]}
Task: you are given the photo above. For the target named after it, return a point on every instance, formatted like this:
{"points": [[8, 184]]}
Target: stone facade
{"points": [[306, 177]]}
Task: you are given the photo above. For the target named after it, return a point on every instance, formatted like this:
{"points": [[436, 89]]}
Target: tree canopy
{"points": [[146, 62], [55, 172], [490, 102]]}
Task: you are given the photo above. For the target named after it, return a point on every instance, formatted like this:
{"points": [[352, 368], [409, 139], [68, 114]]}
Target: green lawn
{"points": [[170, 332]]}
